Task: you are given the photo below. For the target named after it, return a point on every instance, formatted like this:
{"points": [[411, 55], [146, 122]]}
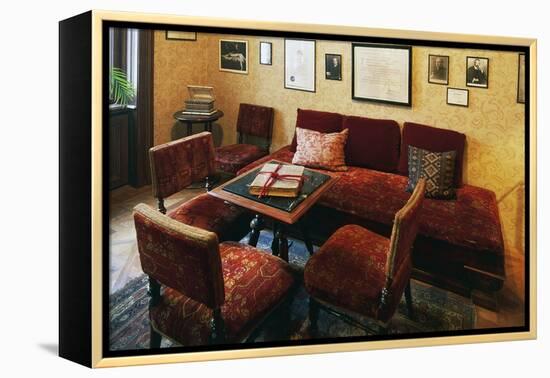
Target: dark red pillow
{"points": [[432, 139], [372, 143], [323, 122]]}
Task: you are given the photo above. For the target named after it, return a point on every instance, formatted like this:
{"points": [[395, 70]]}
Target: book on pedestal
{"points": [[286, 183]]}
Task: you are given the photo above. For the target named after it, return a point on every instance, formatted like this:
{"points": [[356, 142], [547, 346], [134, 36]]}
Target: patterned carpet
{"points": [[435, 310]]}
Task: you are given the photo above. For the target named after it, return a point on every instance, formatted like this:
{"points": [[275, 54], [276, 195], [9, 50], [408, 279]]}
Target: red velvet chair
{"points": [[212, 293], [177, 164], [359, 272], [254, 121]]}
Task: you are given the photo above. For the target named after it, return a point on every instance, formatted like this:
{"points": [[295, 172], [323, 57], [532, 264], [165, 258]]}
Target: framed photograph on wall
{"points": [[458, 97], [521, 78], [382, 73], [477, 72], [234, 56], [152, 273], [265, 53], [438, 69], [300, 64], [333, 67]]}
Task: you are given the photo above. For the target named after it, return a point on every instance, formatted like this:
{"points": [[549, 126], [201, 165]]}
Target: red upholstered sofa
{"points": [[459, 246]]}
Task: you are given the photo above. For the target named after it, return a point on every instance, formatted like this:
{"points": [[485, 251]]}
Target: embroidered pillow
{"points": [[438, 170], [319, 150]]}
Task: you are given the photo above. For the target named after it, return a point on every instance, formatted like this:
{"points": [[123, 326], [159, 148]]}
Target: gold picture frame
{"points": [[86, 329]]}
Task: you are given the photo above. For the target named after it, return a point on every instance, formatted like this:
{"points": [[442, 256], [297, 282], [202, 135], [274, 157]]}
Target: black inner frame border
{"points": [[316, 36]]}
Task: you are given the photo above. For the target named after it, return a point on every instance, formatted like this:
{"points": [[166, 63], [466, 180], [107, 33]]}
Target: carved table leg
{"points": [[283, 242], [275, 241], [256, 224], [305, 237]]}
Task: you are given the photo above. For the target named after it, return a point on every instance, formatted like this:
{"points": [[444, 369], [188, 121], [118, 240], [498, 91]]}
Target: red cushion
{"points": [[254, 282], [234, 157], [372, 143], [349, 269], [211, 214], [472, 220], [323, 122], [435, 140]]}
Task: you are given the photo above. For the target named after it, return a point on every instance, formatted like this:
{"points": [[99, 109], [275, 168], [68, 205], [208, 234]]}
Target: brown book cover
{"points": [[281, 187]]}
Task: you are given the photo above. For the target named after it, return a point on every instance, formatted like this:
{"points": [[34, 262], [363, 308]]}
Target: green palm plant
{"points": [[121, 90]]}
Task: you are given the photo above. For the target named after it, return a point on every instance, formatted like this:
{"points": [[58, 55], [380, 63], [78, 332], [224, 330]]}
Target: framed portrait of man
{"points": [[477, 72], [438, 69], [333, 67]]}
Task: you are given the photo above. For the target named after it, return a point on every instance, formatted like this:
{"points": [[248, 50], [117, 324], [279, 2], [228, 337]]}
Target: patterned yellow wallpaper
{"points": [[493, 122]]}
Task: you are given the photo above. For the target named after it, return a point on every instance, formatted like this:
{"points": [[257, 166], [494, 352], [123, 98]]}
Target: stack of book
{"points": [[287, 182], [200, 102]]}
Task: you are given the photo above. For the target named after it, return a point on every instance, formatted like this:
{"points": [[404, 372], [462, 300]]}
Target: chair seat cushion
{"points": [[349, 270], [213, 214], [233, 157], [254, 283]]}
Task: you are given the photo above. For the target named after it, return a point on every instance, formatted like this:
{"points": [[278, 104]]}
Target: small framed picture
{"points": [[177, 35], [521, 79], [438, 69], [477, 72], [458, 97], [333, 67], [265, 53], [234, 56]]}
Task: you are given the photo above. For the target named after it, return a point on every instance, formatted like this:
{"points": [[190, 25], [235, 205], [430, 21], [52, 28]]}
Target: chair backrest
{"points": [[175, 165], [180, 256], [405, 228], [255, 120]]}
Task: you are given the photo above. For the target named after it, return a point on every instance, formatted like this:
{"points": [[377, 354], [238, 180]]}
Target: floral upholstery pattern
{"points": [[254, 282], [175, 165], [321, 150], [227, 221], [180, 256], [349, 269], [324, 122], [255, 120], [234, 157], [471, 220], [354, 265]]}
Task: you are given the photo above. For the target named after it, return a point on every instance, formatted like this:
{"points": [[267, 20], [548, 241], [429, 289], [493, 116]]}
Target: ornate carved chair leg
{"points": [[154, 293], [256, 224], [217, 326], [209, 183], [408, 299], [160, 202], [313, 316]]}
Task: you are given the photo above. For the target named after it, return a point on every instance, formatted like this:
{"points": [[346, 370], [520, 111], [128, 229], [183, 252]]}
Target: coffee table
{"points": [[282, 211]]}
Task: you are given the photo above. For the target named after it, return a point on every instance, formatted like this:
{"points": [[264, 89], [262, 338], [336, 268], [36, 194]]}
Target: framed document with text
{"points": [[300, 64], [381, 73]]}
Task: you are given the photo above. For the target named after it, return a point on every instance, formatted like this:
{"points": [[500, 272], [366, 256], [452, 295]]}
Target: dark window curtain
{"points": [[119, 48], [144, 107]]}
